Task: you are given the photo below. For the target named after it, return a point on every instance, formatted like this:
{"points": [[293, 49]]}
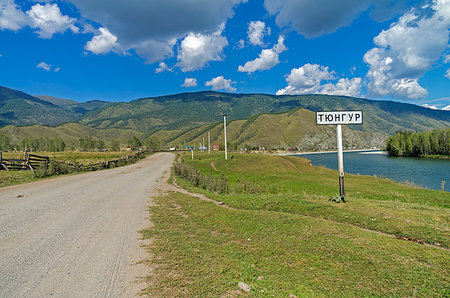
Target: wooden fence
{"points": [[33, 161], [30, 162]]}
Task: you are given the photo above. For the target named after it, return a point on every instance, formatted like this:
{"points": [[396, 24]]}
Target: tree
{"points": [[114, 145], [152, 144], [134, 142]]}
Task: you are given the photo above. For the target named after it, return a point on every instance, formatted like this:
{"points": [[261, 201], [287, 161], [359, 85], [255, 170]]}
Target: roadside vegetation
{"points": [[55, 167], [277, 231]]}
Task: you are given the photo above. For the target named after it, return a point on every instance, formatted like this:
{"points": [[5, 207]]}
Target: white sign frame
{"points": [[339, 117]]}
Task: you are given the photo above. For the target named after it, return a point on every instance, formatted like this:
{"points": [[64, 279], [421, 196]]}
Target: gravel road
{"points": [[76, 236]]}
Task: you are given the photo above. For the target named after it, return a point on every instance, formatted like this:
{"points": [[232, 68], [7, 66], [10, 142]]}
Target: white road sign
{"points": [[339, 117]]}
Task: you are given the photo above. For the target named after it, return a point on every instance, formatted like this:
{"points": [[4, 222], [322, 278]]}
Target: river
{"points": [[428, 173]]}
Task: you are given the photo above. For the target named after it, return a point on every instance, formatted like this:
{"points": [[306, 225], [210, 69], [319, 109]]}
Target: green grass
{"points": [[201, 249], [293, 240], [373, 203]]}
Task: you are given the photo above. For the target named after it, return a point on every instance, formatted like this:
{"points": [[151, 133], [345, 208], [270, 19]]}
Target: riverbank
{"points": [[275, 230]]}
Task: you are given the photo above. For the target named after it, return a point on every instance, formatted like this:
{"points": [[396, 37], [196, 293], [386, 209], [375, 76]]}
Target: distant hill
{"points": [[186, 110], [78, 108], [18, 108], [70, 133], [57, 101], [293, 129], [175, 114]]}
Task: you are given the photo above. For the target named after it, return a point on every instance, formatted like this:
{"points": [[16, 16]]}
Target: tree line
{"points": [[84, 144], [406, 143]]}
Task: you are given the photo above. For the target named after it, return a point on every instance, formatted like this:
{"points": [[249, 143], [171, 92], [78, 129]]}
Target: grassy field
{"points": [[285, 237], [18, 177]]}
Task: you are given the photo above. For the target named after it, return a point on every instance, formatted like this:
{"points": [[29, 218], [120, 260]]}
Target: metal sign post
{"points": [[338, 118], [340, 160]]}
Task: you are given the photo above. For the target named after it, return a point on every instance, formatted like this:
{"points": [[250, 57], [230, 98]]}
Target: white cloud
{"points": [[11, 16], [447, 74], [313, 18], [267, 59], [44, 66], [150, 27], [256, 32], [49, 20], [196, 50], [220, 83], [407, 50], [308, 80], [430, 106], [102, 43], [347, 87], [241, 44], [162, 67], [189, 82], [447, 108], [447, 59]]}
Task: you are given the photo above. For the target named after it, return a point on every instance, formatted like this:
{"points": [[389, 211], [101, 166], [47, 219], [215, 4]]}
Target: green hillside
{"points": [[293, 129], [70, 133], [187, 110], [172, 116], [78, 108], [18, 108]]}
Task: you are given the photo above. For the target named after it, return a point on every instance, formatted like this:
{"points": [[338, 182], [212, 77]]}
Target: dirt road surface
{"points": [[77, 236]]}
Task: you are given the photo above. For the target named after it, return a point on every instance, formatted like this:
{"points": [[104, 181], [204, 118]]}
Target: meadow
{"points": [[276, 230]]}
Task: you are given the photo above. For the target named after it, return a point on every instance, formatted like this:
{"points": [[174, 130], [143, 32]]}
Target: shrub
{"points": [[52, 168]]}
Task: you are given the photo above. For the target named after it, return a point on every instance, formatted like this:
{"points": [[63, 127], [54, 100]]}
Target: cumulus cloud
{"points": [[308, 80], [433, 107], [196, 50], [11, 16], [447, 108], [49, 20], [189, 82], [347, 87], [267, 59], [220, 83], [150, 27], [313, 18], [256, 32], [240, 44], [447, 59], [103, 42], [407, 50], [44, 66], [162, 67], [447, 74]]}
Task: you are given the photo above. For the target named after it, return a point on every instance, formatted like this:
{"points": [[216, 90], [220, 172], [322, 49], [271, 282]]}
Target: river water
{"points": [[428, 173]]}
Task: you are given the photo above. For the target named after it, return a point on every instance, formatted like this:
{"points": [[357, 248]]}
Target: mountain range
{"points": [[256, 119]]}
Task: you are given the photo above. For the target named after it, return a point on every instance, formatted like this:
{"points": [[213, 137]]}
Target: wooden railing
{"points": [[30, 162], [33, 161]]}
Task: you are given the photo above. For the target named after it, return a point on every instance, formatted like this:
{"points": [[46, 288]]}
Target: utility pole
{"points": [[209, 142], [225, 134], [203, 145]]}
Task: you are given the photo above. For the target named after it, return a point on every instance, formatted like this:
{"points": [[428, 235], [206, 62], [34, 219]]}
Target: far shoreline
{"points": [[369, 151]]}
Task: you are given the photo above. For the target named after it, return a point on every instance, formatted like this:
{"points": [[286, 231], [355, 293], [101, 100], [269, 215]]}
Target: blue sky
{"points": [[119, 51]]}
